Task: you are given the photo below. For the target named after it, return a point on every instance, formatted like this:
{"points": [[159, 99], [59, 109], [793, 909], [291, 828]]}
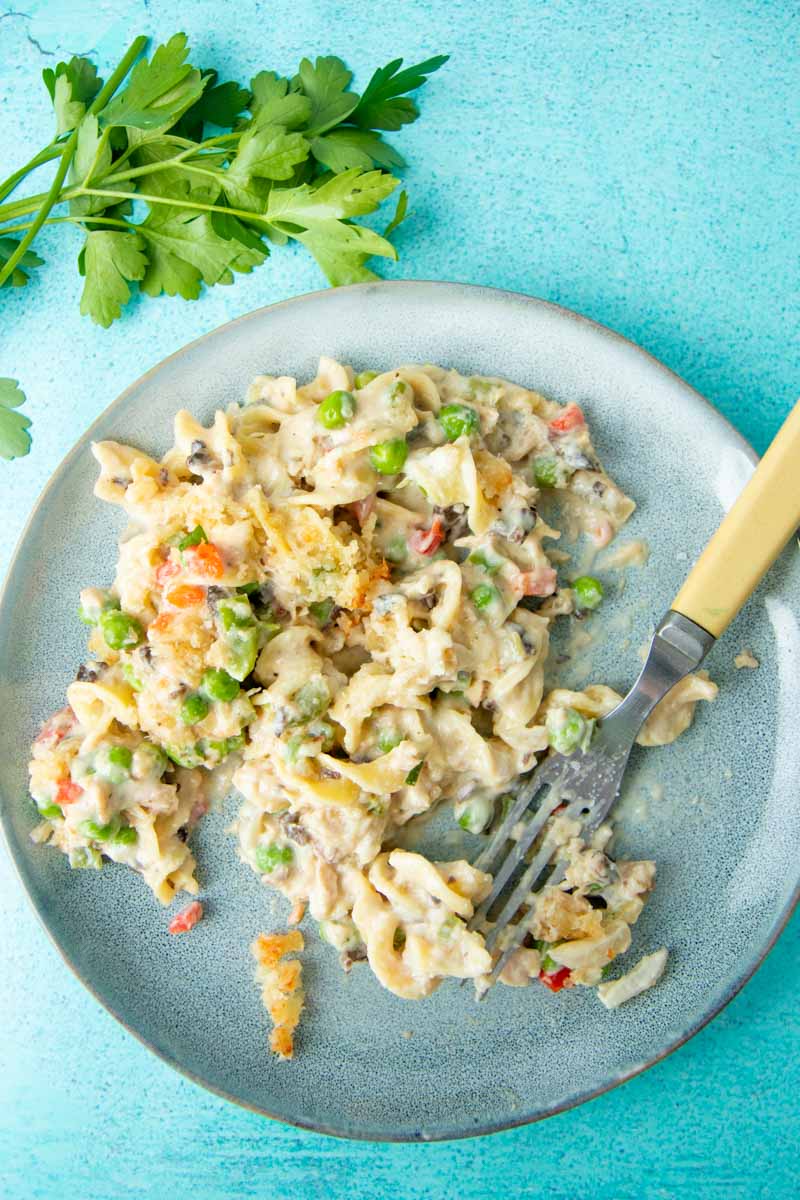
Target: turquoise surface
{"points": [[634, 164]]}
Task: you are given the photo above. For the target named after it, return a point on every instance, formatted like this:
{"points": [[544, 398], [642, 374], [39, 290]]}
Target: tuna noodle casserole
{"points": [[340, 595]]}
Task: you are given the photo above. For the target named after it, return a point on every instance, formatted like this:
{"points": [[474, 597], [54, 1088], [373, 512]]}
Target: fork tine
{"points": [[509, 865], [520, 892], [525, 886], [501, 835]]}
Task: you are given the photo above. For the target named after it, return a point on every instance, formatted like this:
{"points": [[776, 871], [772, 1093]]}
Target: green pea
{"points": [[241, 652], [481, 559], [235, 613], [221, 749], [219, 685], [484, 595], [388, 458], [399, 388], [363, 378], [90, 614], [49, 811], [100, 833], [396, 550], [272, 856], [475, 815], [550, 472], [413, 774], [388, 739], [322, 611], [448, 927], [312, 699], [458, 420], [197, 535], [293, 746], [194, 709], [336, 410], [149, 761], [120, 630], [131, 677], [83, 858], [121, 756], [588, 593], [321, 730], [567, 730], [186, 756], [113, 763], [126, 836]]}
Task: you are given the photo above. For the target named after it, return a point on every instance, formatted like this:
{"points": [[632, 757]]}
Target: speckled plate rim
{"points": [[500, 295]]}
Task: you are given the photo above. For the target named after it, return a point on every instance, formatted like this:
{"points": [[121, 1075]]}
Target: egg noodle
{"points": [[342, 592]]}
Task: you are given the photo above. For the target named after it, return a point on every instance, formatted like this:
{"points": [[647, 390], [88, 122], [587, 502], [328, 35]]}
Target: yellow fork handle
{"points": [[750, 538]]}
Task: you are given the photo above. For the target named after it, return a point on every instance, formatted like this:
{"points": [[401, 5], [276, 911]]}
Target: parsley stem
{"points": [[87, 220], [21, 208], [102, 142], [49, 152], [68, 153], [173, 203]]}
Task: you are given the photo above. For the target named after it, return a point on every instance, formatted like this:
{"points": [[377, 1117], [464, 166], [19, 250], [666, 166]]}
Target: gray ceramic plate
{"points": [[724, 832]]}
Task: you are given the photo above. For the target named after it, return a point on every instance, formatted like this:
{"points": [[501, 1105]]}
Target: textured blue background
{"points": [[635, 162]]}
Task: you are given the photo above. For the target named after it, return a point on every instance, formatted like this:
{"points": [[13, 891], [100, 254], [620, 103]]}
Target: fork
{"points": [[588, 782]]}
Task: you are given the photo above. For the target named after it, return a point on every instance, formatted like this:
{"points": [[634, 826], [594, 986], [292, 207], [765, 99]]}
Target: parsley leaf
{"points": [[228, 227], [400, 214], [184, 250], [159, 92], [316, 217], [384, 104], [346, 147], [220, 104], [109, 261], [342, 250], [15, 441], [93, 154], [273, 104], [347, 195], [325, 85], [29, 261], [72, 87], [265, 152]]}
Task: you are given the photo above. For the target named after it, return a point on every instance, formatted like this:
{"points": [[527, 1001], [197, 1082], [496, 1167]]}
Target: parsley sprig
{"points": [[178, 180]]}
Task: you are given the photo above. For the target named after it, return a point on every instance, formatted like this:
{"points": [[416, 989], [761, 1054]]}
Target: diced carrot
{"points": [[165, 571], [68, 792], [185, 595], [541, 582], [571, 418], [205, 560], [187, 918], [56, 727], [427, 541], [557, 980], [160, 624]]}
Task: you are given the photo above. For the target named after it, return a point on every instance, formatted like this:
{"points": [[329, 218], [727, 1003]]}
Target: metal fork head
{"points": [[586, 782]]}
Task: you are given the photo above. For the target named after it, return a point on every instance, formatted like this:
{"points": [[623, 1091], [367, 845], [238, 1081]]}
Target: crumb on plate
{"points": [[281, 985], [746, 658]]}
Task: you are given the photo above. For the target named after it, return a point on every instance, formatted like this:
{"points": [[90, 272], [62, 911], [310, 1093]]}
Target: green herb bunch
{"points": [[178, 180]]}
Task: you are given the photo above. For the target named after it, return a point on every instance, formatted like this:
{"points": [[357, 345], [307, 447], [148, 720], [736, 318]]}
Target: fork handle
{"points": [[750, 538]]}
